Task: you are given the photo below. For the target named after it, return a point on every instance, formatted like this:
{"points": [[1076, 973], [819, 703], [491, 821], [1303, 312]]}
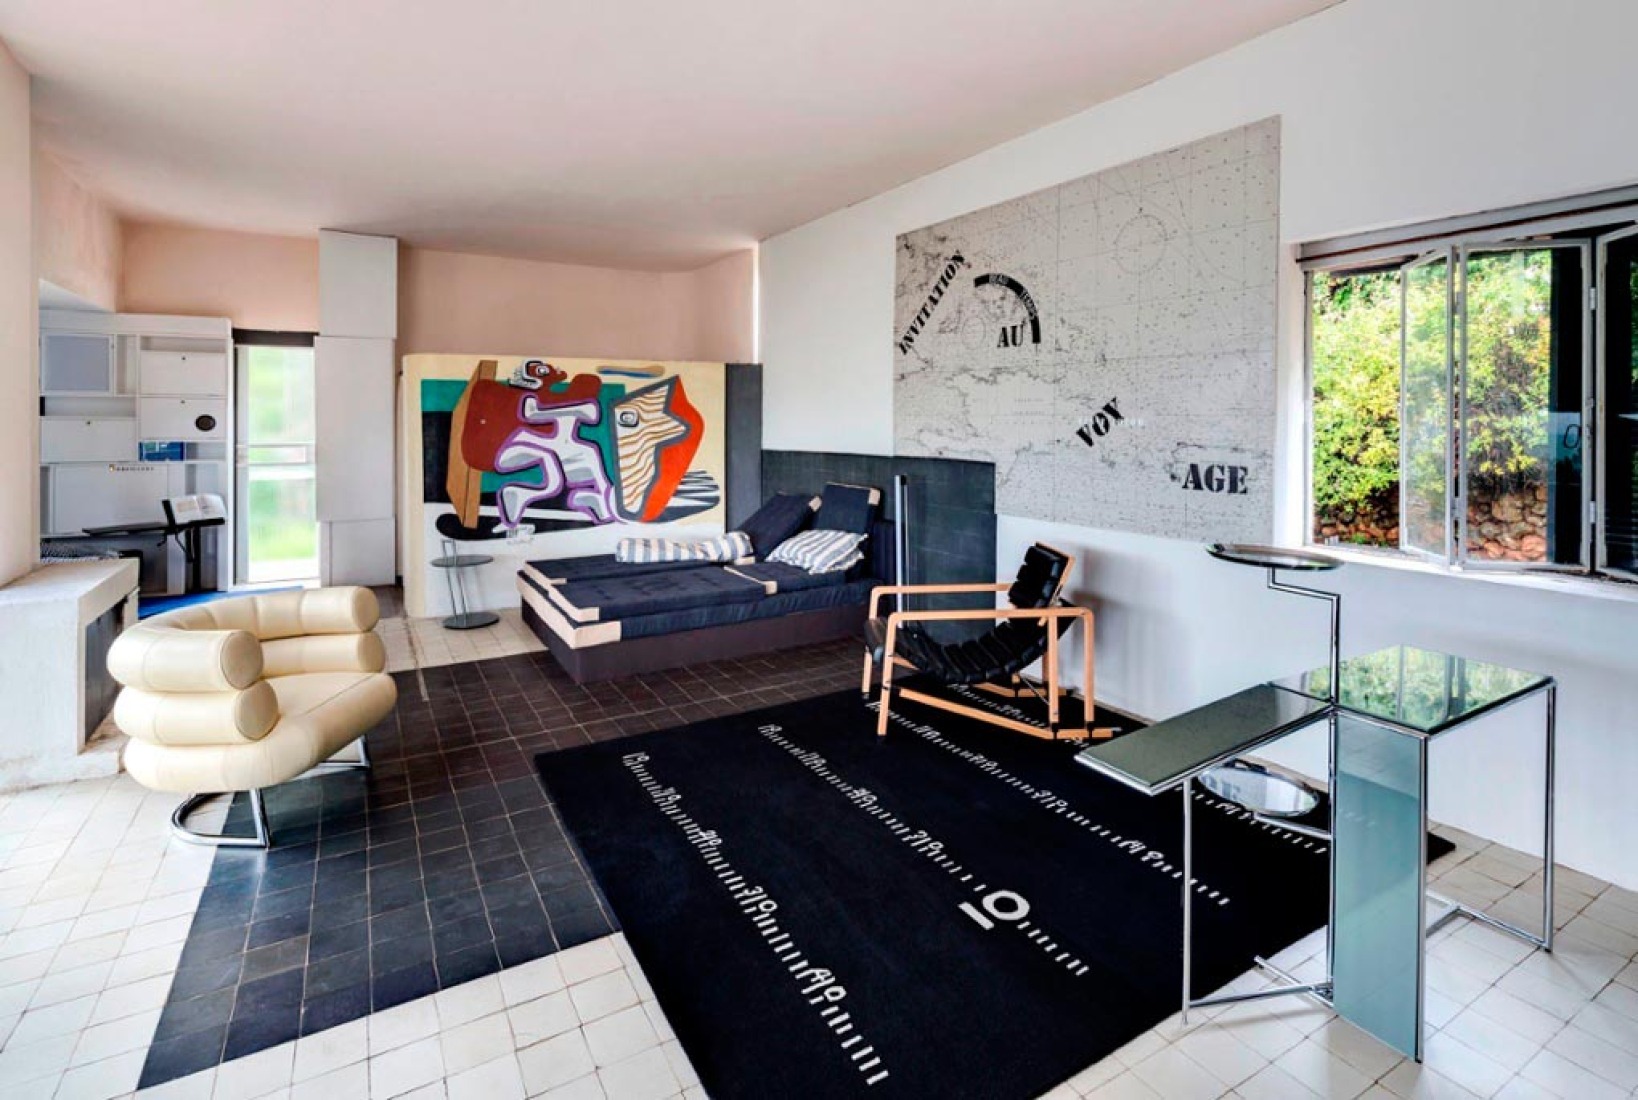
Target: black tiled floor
{"points": [[444, 863]]}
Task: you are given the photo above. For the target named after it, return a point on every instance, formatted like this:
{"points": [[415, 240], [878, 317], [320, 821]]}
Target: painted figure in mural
{"points": [[656, 433], [546, 432]]}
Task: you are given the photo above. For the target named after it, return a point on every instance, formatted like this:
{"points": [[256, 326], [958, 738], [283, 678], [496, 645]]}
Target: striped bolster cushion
{"points": [[820, 551], [730, 547]]}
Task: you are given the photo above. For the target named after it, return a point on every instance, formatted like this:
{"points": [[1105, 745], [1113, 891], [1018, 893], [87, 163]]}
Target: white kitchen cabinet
{"points": [[184, 418], [184, 373], [106, 495], [76, 362], [87, 439], [113, 383]]}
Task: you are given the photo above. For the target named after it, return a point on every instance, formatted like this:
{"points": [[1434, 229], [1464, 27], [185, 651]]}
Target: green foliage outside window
{"points": [[1356, 394], [1356, 378]]}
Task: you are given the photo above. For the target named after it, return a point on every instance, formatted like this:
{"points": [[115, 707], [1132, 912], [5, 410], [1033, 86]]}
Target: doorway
{"points": [[274, 477]]}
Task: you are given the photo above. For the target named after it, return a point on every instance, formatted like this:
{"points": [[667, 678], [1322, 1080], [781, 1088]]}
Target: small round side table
{"points": [[453, 563]]}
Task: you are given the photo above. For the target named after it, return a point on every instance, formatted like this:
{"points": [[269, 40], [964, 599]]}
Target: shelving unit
{"points": [[134, 408]]}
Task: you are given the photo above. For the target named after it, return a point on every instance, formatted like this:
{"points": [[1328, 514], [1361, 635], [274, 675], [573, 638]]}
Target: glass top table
{"points": [[1420, 691], [1390, 706], [460, 561], [1272, 557], [1167, 753]]}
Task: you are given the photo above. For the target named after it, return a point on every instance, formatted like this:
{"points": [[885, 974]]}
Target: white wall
{"points": [[354, 394], [1393, 111], [19, 479]]}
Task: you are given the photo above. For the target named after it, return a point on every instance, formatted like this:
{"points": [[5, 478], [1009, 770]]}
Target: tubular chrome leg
{"points": [[456, 603], [258, 818], [1547, 827], [1188, 890], [1290, 986], [1422, 904], [1335, 600], [361, 764], [1331, 851]]}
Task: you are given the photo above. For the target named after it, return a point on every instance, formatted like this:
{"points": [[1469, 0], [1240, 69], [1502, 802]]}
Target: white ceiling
{"points": [[653, 134]]}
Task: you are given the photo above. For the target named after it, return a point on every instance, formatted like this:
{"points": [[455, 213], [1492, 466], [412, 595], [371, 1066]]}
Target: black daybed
{"points": [[602, 618]]}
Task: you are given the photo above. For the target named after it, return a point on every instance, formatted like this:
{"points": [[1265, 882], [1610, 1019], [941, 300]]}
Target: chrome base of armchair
{"points": [[263, 837], [258, 819]]}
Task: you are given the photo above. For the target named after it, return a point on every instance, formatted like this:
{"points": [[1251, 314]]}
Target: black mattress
{"points": [[838, 592], [789, 578], [624, 597], [769, 607]]}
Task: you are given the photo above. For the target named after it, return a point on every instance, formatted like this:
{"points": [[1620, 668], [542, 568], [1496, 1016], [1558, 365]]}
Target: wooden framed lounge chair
{"points": [[1021, 634]]}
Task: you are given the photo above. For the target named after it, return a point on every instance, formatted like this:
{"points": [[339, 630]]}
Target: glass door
{"points": [[1523, 379], [277, 537], [1617, 438], [1427, 310]]}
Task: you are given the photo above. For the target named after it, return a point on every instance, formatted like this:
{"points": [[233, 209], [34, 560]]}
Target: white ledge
{"points": [[1568, 584]]}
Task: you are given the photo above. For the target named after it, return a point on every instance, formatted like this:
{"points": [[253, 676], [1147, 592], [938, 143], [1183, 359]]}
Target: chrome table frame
{"points": [[1322, 990], [1453, 908]]}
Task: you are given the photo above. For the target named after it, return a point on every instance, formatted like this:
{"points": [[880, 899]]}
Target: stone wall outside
{"points": [[1506, 525]]}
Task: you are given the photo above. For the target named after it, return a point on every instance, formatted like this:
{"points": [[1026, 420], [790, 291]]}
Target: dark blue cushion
{"points": [[781, 517], [847, 508]]}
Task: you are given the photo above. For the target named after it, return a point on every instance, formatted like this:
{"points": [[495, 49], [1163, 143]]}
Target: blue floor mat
{"points": [[155, 605]]}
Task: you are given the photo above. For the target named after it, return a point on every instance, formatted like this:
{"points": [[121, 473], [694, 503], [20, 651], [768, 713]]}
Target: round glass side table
{"points": [[1261, 790], [1271, 797], [452, 563]]}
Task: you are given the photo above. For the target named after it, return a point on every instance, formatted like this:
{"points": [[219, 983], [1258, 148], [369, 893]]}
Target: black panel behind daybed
{"points": [[952, 507]]}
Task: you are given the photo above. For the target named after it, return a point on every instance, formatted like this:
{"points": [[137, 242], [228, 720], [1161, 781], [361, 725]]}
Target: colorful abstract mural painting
{"points": [[558, 447]]}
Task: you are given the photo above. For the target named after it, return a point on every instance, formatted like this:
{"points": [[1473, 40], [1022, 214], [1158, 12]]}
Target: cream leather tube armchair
{"points": [[246, 693]]}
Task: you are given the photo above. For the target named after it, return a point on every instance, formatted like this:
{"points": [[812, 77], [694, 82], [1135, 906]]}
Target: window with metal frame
{"points": [[1506, 435]]}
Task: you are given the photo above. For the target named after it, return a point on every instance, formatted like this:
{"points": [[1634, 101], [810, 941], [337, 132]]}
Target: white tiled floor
{"points": [[423, 643], [1506, 1021], [95, 903], [582, 1023]]}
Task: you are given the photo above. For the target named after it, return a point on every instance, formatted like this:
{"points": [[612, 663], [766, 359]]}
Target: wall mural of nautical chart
{"points": [[1107, 343]]}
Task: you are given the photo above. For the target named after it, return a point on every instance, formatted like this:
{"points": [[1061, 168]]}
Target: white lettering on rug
{"points": [[920, 841], [1051, 802], [816, 984], [1238, 812]]}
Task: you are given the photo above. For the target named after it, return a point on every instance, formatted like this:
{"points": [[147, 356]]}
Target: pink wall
{"points": [[462, 302], [19, 477], [77, 238], [724, 314], [452, 301], [255, 280]]}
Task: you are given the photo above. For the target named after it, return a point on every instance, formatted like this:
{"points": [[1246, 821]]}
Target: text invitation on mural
{"points": [[1107, 343]]}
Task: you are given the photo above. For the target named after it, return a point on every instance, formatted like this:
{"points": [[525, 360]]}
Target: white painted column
{"points": [[358, 324]]}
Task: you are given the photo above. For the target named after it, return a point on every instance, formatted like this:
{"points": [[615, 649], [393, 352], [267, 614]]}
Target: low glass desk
{"points": [[1390, 705]]}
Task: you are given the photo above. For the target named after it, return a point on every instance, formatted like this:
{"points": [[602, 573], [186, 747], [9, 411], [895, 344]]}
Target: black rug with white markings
{"points": [[954, 911]]}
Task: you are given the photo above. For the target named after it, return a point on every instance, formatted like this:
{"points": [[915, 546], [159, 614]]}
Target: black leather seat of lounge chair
{"points": [[1020, 634]]}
